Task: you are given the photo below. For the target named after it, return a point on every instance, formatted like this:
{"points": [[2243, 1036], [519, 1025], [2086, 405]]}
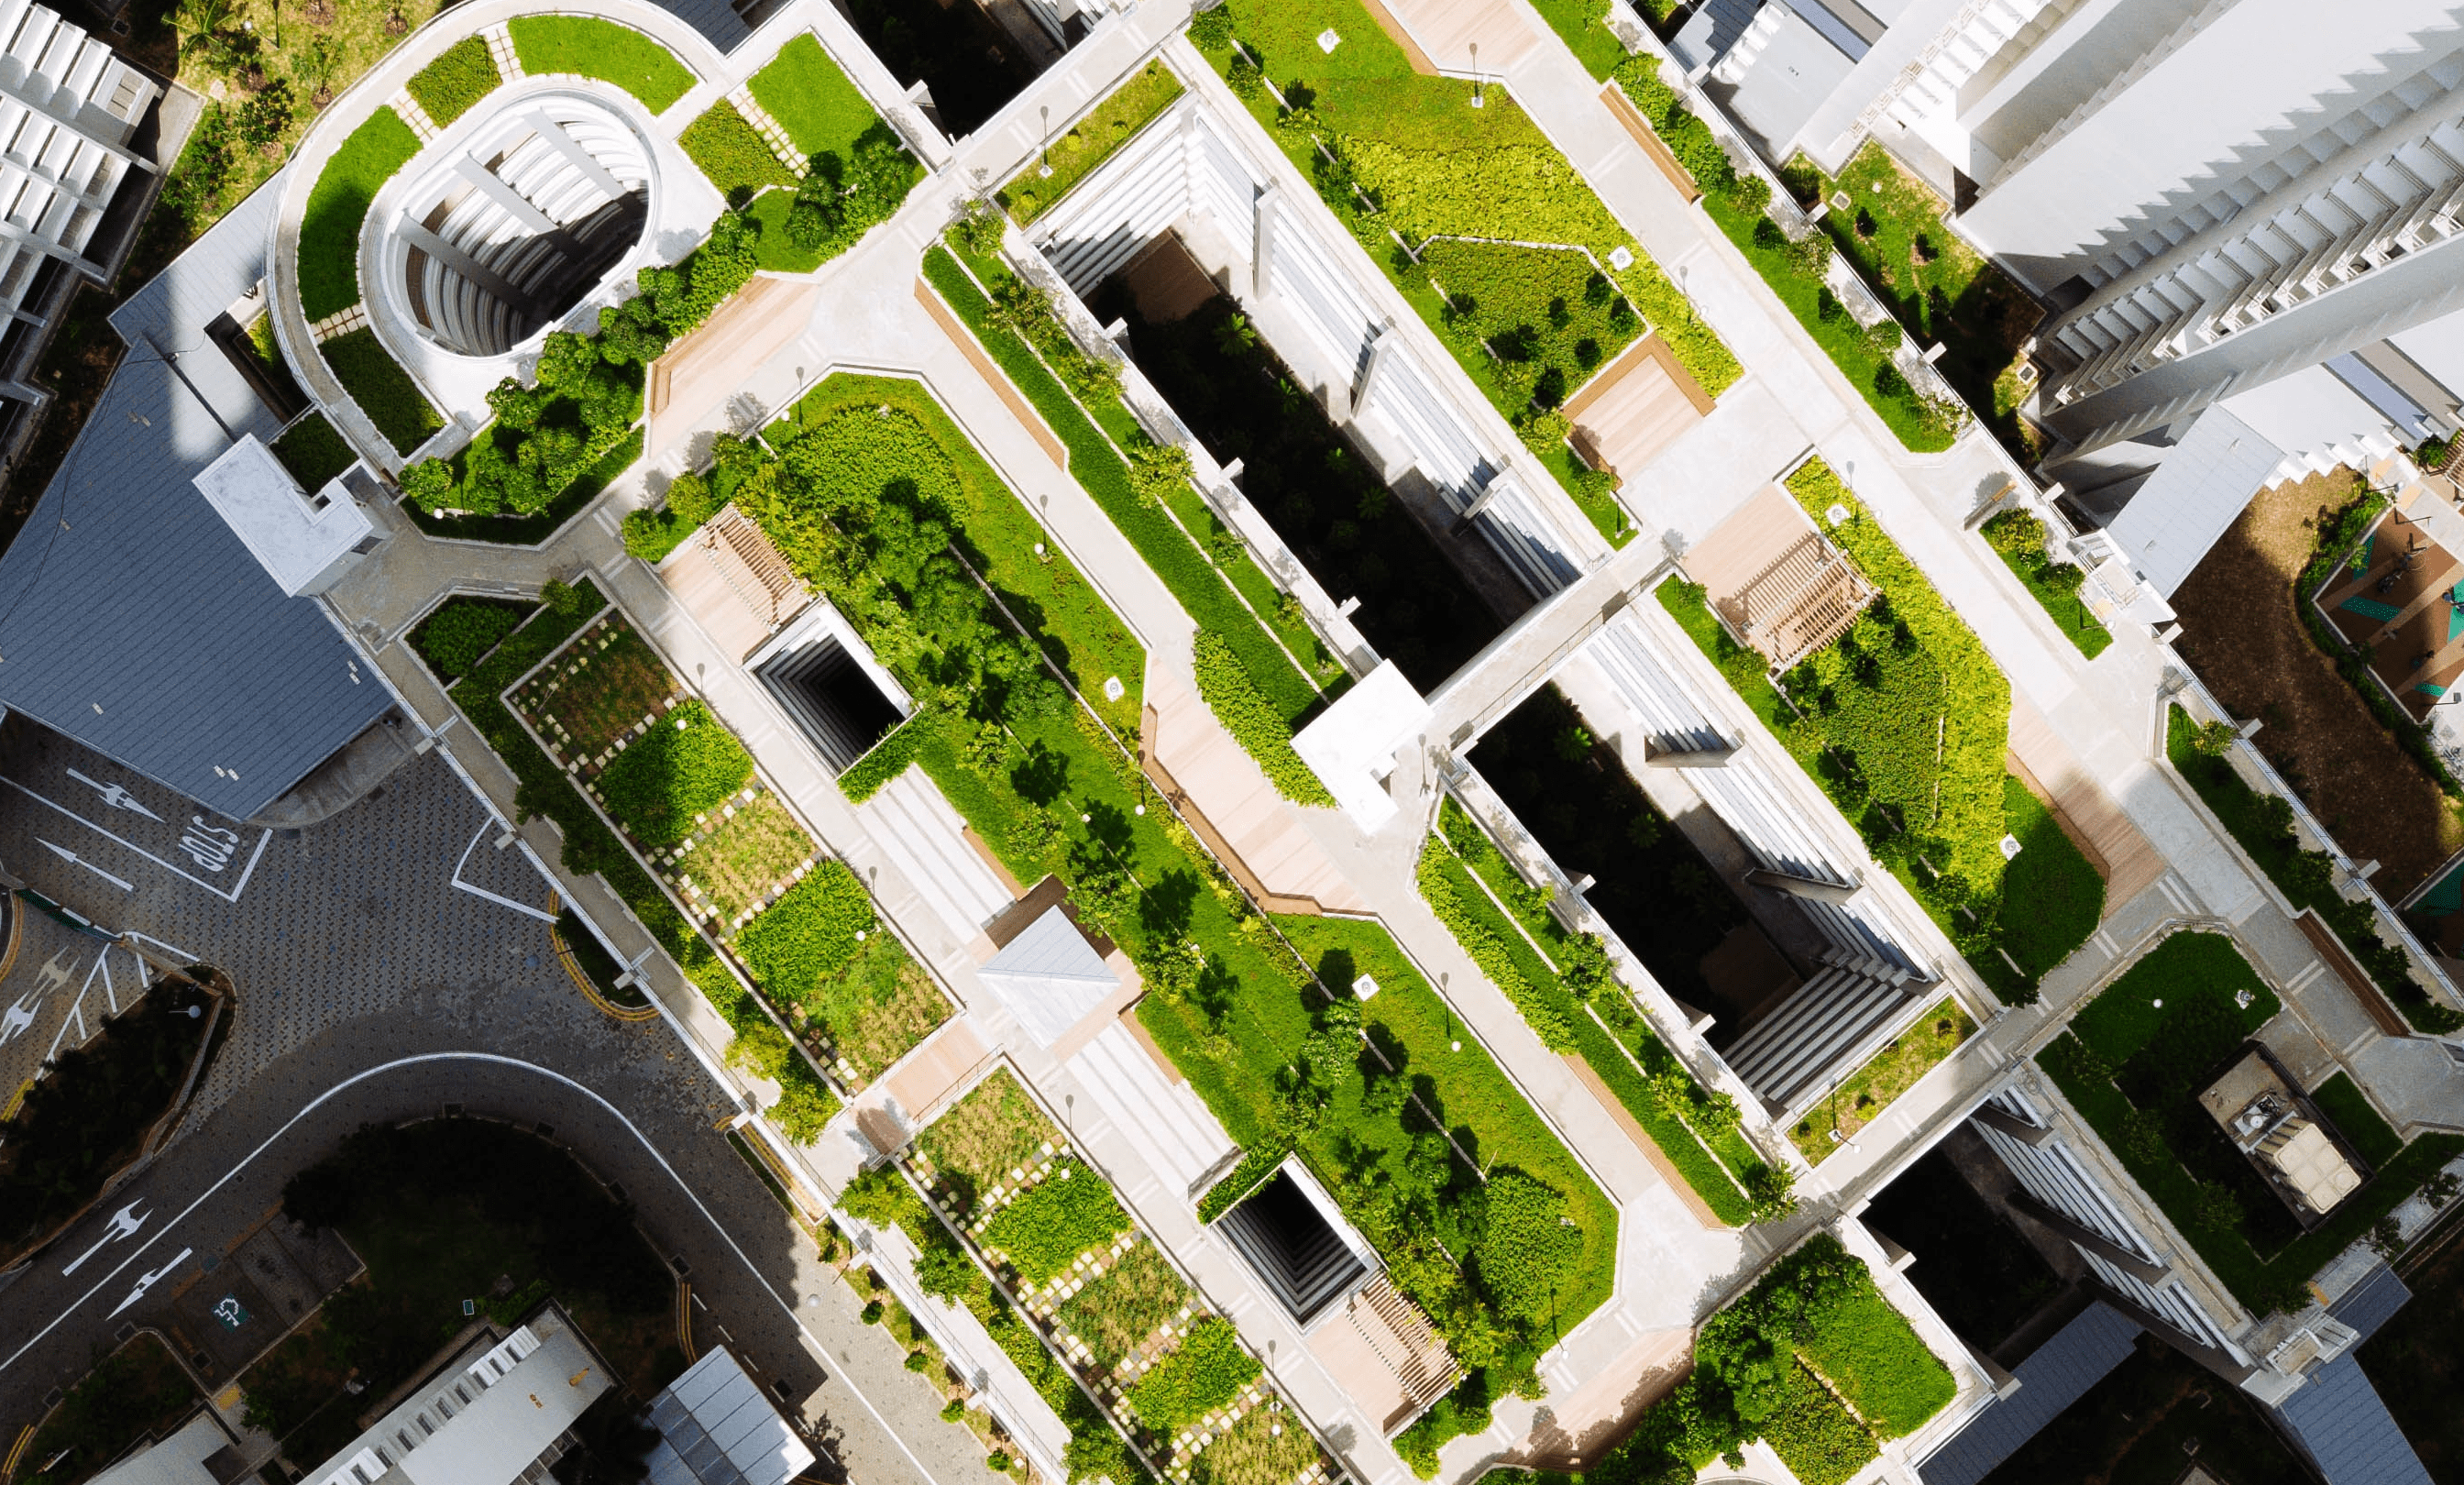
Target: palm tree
{"points": [[210, 31]]}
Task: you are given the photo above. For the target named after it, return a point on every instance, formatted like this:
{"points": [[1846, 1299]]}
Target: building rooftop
{"points": [[295, 535], [1049, 977], [717, 1428]]}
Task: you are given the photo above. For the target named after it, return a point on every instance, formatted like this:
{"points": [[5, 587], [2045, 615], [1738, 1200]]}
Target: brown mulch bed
{"points": [[2244, 636]]}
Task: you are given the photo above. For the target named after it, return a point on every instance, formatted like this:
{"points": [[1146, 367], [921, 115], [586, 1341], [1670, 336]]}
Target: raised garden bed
{"points": [[2134, 1069], [2018, 538], [382, 389], [589, 47], [1859, 1099], [1089, 142]]}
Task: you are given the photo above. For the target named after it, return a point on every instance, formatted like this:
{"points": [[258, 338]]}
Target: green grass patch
{"points": [[2055, 897], [382, 389], [1861, 1099], [329, 225], [313, 452], [874, 1010], [2341, 1100], [812, 98], [599, 691], [2018, 538], [450, 86], [1120, 1311], [734, 865], [736, 158], [1091, 141], [1045, 1229], [815, 930], [462, 630], [588, 47], [685, 765], [995, 1129], [1207, 1371], [2262, 826], [1582, 25], [2134, 1071]]}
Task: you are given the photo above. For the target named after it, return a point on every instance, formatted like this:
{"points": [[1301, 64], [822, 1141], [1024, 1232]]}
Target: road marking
{"points": [[498, 1059], [148, 1281], [125, 1223], [15, 1021], [231, 896], [72, 859], [117, 796], [77, 1013], [478, 891]]}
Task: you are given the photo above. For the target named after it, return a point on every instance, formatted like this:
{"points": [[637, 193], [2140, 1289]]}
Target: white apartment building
{"points": [[2250, 203]]}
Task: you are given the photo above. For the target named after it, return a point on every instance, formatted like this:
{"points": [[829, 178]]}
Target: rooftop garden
{"points": [[1903, 722], [1266, 678], [1325, 502], [805, 1102], [1569, 995], [589, 47], [313, 452], [1861, 1097], [851, 174], [1892, 231], [1064, 162], [2262, 826], [2133, 1063], [1794, 268], [1079, 1296], [2018, 538], [1016, 731], [1812, 1360], [1403, 158]]}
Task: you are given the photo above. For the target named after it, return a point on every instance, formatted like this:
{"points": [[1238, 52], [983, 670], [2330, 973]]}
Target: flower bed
{"points": [[2133, 1063], [2262, 825], [1859, 1099], [586, 46], [1406, 159], [2018, 538], [1089, 142]]}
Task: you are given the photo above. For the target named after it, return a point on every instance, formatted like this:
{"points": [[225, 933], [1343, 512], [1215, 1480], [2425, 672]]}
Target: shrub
{"points": [[1224, 685], [1813, 1434], [313, 452], [1211, 29], [733, 154], [382, 389], [1208, 1371], [1045, 1229], [810, 932], [461, 631], [462, 74], [687, 764]]}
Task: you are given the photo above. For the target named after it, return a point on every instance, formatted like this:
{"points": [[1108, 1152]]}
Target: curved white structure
{"points": [[501, 235]]}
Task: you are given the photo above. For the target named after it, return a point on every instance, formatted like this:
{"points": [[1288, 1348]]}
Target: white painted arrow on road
{"points": [[125, 1223], [148, 1281], [73, 859]]}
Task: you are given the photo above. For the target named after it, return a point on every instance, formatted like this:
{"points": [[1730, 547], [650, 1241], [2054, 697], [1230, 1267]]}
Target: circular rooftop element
{"points": [[505, 233]]}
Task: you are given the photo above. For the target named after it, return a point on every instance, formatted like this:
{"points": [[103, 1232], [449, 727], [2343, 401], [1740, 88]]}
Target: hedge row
{"points": [[805, 1103], [2262, 825], [1224, 685]]}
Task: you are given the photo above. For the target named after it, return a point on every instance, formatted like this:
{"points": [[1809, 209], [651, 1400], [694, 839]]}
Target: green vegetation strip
{"points": [[329, 225], [382, 389], [2018, 538], [586, 46], [2262, 825], [534, 529], [812, 98], [1089, 142], [805, 1102], [736, 158], [313, 452], [2165, 1029], [447, 87]]}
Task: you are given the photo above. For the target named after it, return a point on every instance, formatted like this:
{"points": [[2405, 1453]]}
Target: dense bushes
{"points": [[382, 389], [1224, 685], [840, 200], [1207, 1371], [1044, 1227], [313, 452], [814, 931], [463, 629], [685, 766], [2262, 825], [2018, 538], [462, 74]]}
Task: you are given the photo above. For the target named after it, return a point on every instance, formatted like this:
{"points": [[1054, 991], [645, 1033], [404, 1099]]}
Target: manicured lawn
{"points": [[382, 389], [1579, 24], [589, 47], [1863, 1094], [447, 87], [2052, 897], [600, 693], [2134, 1069], [2018, 538], [135, 1391], [313, 452], [329, 225], [1892, 231], [737, 160], [1091, 141], [812, 98]]}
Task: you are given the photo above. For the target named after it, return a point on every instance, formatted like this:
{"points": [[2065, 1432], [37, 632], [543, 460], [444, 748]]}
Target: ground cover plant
{"points": [[1266, 1446], [1064, 162], [1893, 233], [438, 1211], [805, 1103], [685, 766], [1130, 480], [1401, 158], [600, 693], [329, 225], [1583, 26], [873, 1011], [462, 630], [1973, 1266], [1792, 266], [1861, 1097], [88, 1115], [2018, 538], [816, 930], [1120, 1312], [1042, 1229], [737, 160], [1571, 998], [1652, 885], [811, 97], [1327, 503], [735, 864], [313, 452], [135, 1391], [2134, 1071], [2262, 826], [992, 1135], [586, 46], [689, 500], [382, 389], [1206, 1372], [461, 74], [2361, 1124], [868, 507]]}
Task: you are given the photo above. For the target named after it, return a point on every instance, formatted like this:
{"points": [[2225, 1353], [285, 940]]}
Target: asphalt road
{"points": [[371, 988]]}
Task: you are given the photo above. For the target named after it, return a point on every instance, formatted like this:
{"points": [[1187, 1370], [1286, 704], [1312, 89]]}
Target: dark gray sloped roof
{"points": [[2372, 1302], [2056, 1375], [717, 21], [2347, 1432], [131, 617]]}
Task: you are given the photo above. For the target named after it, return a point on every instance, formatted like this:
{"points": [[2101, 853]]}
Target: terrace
{"points": [[2397, 600]]}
